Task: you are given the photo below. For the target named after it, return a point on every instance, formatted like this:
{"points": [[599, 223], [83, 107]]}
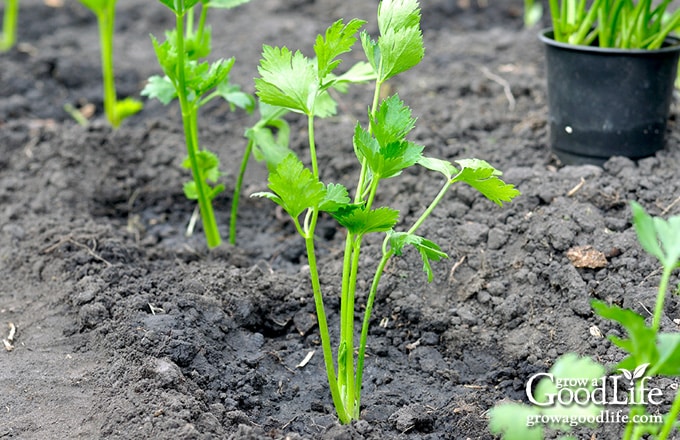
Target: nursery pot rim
{"points": [[670, 45]]}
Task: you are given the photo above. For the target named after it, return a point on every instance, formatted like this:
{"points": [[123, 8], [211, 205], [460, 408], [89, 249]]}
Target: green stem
{"points": [[106, 18], [190, 122], [671, 418], [9, 25], [433, 204], [237, 191], [660, 297], [367, 318], [201, 22], [323, 324], [387, 254], [312, 145]]}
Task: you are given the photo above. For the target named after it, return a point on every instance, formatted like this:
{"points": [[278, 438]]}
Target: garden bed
{"points": [[128, 329]]}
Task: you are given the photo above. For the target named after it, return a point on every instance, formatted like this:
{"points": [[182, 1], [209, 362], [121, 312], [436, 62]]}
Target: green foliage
{"points": [[657, 236], [116, 111], [359, 221], [209, 165], [294, 187], [400, 44], [429, 251], [624, 24], [649, 352], [195, 83], [290, 81]]}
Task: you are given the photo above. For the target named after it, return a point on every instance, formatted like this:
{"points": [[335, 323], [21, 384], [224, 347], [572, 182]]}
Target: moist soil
{"points": [[129, 329]]}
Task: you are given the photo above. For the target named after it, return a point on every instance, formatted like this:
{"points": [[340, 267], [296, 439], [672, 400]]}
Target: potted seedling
{"points": [[300, 84], [586, 395], [195, 83], [610, 70], [116, 110], [9, 25]]}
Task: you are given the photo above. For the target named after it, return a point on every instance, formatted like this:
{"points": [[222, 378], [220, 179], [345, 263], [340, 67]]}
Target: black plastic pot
{"points": [[608, 102]]}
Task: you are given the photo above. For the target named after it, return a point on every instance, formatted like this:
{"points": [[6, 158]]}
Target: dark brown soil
{"points": [[127, 329]]}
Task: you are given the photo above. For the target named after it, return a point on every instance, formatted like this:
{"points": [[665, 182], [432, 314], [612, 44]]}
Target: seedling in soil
{"points": [[649, 352], [195, 83], [9, 25], [292, 81], [116, 111], [623, 24]]}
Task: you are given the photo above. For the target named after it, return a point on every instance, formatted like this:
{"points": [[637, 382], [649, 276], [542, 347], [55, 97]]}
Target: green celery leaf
{"points": [[127, 107], [295, 187], [400, 42], [668, 363], [642, 343], [190, 191], [438, 165], [208, 163], [392, 121], [267, 145], [216, 190], [371, 50], [484, 178], [160, 88], [360, 221], [225, 4], [202, 78], [429, 251], [339, 39], [167, 57], [509, 421], [359, 73], [287, 80], [198, 46], [385, 161], [233, 94], [325, 106], [401, 50], [336, 197], [657, 236]]}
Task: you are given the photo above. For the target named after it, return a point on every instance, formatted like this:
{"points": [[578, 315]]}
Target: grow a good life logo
{"points": [[565, 400]]}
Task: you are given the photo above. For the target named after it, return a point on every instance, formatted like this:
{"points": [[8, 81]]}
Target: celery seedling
{"points": [[623, 24], [9, 25], [650, 352], [294, 82], [116, 111], [194, 84]]}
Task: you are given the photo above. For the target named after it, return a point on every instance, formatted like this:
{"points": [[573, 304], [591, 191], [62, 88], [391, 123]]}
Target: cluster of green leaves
{"points": [[645, 346], [623, 24], [293, 82], [9, 25], [194, 83], [116, 110]]}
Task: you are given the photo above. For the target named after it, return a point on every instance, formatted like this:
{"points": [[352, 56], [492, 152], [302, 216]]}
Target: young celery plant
{"points": [[194, 84], [295, 82], [646, 344], [649, 351], [622, 24], [9, 25], [116, 111]]}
